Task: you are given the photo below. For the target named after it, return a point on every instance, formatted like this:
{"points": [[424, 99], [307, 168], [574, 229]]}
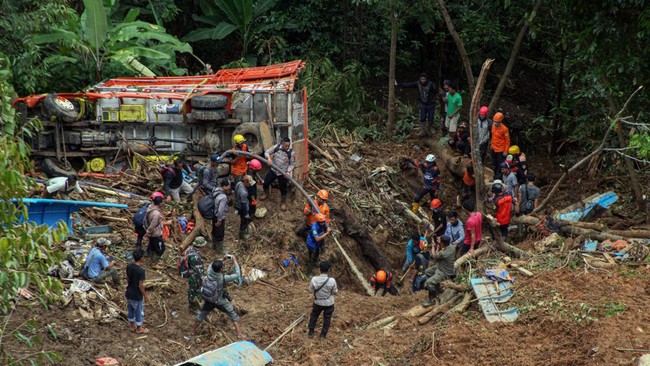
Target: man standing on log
{"points": [[324, 288], [442, 270], [432, 180], [500, 141], [427, 95], [454, 104], [472, 228]]}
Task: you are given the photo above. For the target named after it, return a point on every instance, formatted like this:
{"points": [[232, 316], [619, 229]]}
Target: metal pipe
{"points": [[263, 160]]}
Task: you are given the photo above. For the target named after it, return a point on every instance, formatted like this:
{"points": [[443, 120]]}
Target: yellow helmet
{"points": [[238, 139], [514, 150]]}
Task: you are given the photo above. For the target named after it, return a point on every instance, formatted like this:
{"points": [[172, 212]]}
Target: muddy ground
{"points": [[569, 315]]}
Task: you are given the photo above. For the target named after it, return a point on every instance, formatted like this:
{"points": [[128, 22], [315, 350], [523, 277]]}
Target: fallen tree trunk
{"points": [[381, 322], [500, 244], [591, 234], [455, 163], [439, 309], [462, 305], [359, 233], [466, 257], [588, 229], [420, 310], [640, 234], [460, 287], [199, 223], [355, 269]]}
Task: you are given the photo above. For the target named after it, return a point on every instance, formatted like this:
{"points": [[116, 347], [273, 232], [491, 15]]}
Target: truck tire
{"points": [[61, 108], [209, 114], [210, 101], [251, 132], [53, 169]]}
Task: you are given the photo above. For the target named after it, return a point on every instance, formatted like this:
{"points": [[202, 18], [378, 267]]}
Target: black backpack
{"points": [[206, 205], [139, 217], [211, 291]]}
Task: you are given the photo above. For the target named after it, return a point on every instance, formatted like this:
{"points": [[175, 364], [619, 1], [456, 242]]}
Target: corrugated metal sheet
{"points": [[243, 353]]}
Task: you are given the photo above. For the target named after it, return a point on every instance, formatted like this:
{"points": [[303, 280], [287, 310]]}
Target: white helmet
{"points": [[430, 158]]}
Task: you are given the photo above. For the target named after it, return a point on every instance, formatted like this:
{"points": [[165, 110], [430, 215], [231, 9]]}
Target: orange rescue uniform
{"points": [[500, 138], [310, 217], [240, 163]]}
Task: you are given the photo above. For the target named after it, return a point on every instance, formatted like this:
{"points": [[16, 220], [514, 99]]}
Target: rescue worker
{"points": [[208, 175], [518, 165], [455, 229], [432, 180], [460, 140], [310, 215], [484, 130], [427, 96], [381, 280], [503, 208], [415, 245], [438, 220], [283, 159], [469, 182], [62, 186], [155, 223], [196, 269], [242, 205], [421, 265], [442, 270], [220, 196], [500, 141], [318, 231], [238, 165], [174, 182]]}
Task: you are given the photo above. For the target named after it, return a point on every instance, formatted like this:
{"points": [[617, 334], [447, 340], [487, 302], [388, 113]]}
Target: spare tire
{"points": [[60, 107], [210, 101], [53, 169], [251, 132], [209, 114]]}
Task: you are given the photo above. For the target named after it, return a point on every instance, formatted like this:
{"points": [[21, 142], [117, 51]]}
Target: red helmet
{"points": [[157, 194], [435, 203], [483, 111], [255, 165]]}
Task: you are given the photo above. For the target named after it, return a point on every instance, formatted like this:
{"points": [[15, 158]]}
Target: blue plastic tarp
{"points": [[577, 212], [43, 211], [243, 353]]}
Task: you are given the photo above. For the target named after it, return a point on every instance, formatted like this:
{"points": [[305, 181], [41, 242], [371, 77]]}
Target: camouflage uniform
{"points": [[197, 269]]}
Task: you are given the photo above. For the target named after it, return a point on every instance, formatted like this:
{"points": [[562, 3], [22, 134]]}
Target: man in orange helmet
{"points": [[500, 141], [316, 239], [381, 280], [310, 214]]}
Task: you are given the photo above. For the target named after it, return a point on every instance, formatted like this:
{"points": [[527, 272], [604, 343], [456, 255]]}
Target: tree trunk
{"points": [[474, 136], [557, 121], [634, 180], [459, 43], [391, 70], [455, 164], [513, 55]]}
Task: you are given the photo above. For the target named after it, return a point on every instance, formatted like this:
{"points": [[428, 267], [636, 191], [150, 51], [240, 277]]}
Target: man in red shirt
{"points": [[503, 206], [472, 228]]}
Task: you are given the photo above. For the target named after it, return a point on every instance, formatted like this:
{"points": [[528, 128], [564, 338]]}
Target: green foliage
{"points": [[27, 251], [641, 143], [243, 17], [92, 41], [613, 308]]}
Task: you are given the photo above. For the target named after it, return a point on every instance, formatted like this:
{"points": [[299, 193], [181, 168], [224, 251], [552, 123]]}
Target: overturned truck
{"points": [[188, 116]]}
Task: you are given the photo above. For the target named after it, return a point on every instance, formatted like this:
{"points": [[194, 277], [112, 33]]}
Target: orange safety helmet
{"points": [[435, 203], [498, 117], [320, 217], [381, 276], [423, 245], [323, 194]]}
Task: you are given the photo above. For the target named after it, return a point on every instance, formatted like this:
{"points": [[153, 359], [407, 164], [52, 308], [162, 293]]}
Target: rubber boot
{"points": [[432, 296], [283, 202], [415, 207], [264, 195], [218, 247]]}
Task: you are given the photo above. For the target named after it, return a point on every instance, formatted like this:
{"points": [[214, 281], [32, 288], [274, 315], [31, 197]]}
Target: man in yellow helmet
{"points": [[239, 164]]}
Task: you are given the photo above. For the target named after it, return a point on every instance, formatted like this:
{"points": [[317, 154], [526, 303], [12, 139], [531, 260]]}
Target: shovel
{"points": [[400, 281]]}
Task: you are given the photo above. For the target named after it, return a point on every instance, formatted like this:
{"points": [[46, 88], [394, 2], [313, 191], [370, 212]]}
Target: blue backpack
{"points": [[138, 218]]}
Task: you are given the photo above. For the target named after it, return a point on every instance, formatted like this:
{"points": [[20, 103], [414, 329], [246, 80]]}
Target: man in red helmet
{"points": [[484, 130]]}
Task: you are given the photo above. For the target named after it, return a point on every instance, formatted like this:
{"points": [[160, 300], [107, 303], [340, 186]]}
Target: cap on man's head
{"points": [[504, 165], [199, 242], [103, 242]]}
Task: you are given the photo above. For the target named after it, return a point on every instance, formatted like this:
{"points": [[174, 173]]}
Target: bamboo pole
{"points": [[355, 269]]}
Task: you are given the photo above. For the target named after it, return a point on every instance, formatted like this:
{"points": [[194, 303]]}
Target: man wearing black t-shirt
{"points": [[135, 294]]}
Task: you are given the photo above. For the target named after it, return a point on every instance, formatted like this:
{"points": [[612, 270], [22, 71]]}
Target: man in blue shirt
{"points": [[455, 229], [415, 245], [315, 240], [97, 268]]}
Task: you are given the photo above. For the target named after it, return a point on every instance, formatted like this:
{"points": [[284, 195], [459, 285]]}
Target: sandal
{"points": [[142, 331]]}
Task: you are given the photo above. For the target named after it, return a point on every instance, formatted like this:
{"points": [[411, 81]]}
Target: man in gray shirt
{"points": [[208, 175], [220, 197], [324, 288], [283, 159], [529, 195], [242, 205]]}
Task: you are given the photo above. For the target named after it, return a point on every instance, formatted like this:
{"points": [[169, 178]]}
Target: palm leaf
{"points": [[222, 30], [262, 6], [132, 15], [96, 24], [56, 36]]}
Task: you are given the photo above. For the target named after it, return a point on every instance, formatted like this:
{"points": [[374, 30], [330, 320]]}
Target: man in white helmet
{"points": [[431, 182]]}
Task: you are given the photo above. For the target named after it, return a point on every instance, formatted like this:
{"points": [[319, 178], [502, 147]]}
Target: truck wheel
{"points": [[210, 101], [209, 114], [60, 107], [53, 169], [251, 132]]}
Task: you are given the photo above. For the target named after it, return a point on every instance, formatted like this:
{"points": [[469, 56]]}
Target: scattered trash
{"points": [[552, 241], [292, 258], [590, 245], [107, 361], [174, 314], [581, 211], [355, 158], [238, 353], [260, 212], [253, 275], [620, 244]]}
